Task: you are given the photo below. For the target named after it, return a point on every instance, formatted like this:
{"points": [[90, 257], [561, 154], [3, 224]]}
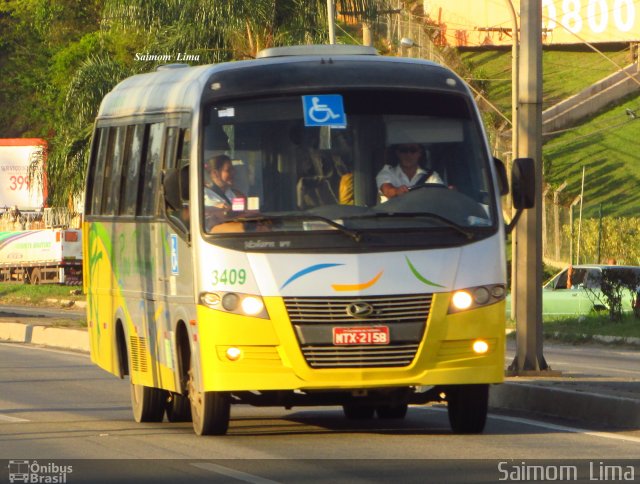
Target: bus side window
{"points": [[111, 196], [151, 173], [108, 169], [179, 158], [97, 171], [131, 173]]}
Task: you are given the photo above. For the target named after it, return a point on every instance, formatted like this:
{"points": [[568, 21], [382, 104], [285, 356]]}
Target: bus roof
{"points": [[288, 69]]}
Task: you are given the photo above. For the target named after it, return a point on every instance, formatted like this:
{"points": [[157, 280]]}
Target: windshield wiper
{"points": [[442, 220], [355, 235]]}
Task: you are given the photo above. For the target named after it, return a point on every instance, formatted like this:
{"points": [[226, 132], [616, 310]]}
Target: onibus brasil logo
{"points": [[33, 471]]}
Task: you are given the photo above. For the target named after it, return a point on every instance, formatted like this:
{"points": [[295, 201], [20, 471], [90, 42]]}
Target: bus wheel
{"points": [[392, 411], [178, 408], [147, 403], [209, 410], [358, 412], [467, 407]]}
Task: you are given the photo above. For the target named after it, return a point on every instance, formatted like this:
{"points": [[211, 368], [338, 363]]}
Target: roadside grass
{"points": [[564, 73], [605, 145], [27, 294], [576, 329]]}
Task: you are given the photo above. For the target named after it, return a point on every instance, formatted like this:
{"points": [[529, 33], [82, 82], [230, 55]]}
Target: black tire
{"points": [[467, 407], [358, 412], [178, 408], [397, 411], [210, 411], [147, 403]]}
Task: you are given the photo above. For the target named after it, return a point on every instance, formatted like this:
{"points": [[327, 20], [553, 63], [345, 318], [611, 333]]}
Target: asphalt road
{"points": [[56, 405], [588, 360]]}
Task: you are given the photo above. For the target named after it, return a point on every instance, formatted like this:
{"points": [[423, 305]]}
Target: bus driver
{"points": [[406, 170]]}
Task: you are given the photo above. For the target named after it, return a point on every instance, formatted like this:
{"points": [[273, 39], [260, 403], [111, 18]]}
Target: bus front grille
{"points": [[359, 356], [314, 320]]}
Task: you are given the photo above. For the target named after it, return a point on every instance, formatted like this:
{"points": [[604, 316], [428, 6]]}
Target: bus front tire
{"points": [[209, 410], [147, 403], [467, 406]]}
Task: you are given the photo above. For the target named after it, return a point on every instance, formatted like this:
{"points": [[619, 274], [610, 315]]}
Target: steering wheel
{"points": [[426, 185]]}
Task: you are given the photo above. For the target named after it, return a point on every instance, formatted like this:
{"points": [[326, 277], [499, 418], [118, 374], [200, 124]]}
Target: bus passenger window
{"points": [[181, 216], [131, 177], [97, 171], [151, 173]]}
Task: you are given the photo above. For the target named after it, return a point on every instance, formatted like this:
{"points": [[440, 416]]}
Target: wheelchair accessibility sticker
{"points": [[324, 110]]}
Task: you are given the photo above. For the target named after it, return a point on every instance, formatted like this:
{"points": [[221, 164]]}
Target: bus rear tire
{"points": [[209, 410], [178, 408], [467, 406], [147, 403]]}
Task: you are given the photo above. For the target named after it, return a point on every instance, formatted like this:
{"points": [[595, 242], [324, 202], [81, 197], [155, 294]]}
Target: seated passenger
{"points": [[219, 193], [405, 170]]}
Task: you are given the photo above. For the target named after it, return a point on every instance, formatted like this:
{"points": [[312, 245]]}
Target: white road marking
{"points": [[234, 474], [8, 418], [550, 426]]}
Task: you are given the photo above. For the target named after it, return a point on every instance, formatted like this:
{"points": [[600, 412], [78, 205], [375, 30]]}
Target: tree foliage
{"points": [[615, 285], [60, 57], [619, 239]]}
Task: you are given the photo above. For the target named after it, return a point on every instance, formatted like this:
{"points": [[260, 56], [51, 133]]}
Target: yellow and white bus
{"points": [[307, 287]]}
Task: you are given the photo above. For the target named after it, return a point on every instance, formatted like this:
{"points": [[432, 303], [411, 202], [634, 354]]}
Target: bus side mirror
{"points": [[176, 186], [523, 183], [523, 186]]}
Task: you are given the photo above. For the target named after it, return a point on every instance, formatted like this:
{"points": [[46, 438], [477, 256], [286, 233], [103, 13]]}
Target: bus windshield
{"points": [[267, 167]]}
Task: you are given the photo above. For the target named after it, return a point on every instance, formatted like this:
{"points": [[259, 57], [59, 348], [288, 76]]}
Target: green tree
{"points": [[215, 30]]}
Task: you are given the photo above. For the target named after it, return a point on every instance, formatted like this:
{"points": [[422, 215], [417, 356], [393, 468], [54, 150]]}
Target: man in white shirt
{"points": [[218, 192], [393, 181]]}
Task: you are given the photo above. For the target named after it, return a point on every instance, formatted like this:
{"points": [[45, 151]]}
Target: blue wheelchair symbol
{"points": [[174, 254], [324, 110]]}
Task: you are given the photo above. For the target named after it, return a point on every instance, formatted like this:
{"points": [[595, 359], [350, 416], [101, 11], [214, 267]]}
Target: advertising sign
{"points": [[16, 155], [487, 22]]}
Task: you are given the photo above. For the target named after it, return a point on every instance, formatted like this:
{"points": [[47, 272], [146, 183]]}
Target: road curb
{"points": [[597, 409], [64, 338]]}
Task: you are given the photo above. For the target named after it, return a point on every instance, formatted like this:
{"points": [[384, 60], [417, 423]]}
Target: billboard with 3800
{"points": [[475, 23]]}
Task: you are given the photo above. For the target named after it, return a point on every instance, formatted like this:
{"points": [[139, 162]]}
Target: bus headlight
{"points": [[236, 303], [230, 301], [474, 297], [252, 305], [461, 300]]}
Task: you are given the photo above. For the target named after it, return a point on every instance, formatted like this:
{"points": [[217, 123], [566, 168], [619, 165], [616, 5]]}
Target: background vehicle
{"points": [[41, 256], [307, 290], [576, 290]]}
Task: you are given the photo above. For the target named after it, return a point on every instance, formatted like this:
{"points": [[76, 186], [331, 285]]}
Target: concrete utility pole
{"points": [[528, 275], [331, 16]]}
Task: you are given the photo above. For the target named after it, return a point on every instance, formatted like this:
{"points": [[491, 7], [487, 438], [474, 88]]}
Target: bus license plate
{"points": [[369, 335]]}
